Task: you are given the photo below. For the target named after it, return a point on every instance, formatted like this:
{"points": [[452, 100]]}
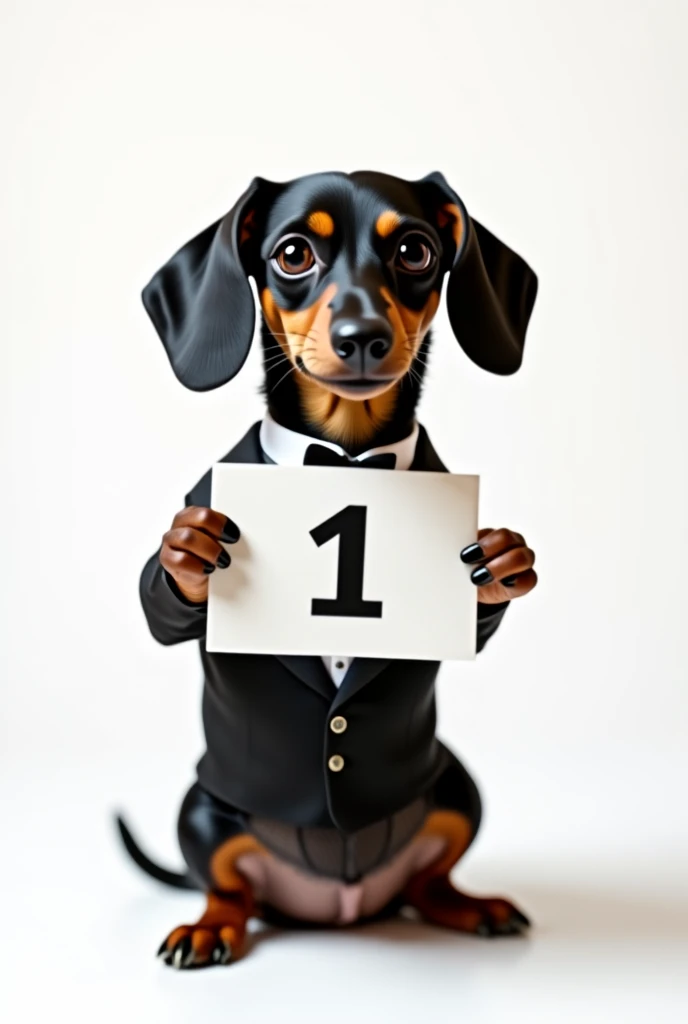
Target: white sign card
{"points": [[356, 562]]}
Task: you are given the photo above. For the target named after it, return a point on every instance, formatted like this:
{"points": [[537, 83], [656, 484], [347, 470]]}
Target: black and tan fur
{"points": [[345, 348]]}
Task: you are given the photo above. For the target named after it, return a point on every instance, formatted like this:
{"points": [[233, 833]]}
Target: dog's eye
{"points": [[294, 257], [415, 253]]}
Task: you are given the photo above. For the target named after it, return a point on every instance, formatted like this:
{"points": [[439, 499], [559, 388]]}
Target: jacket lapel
{"points": [[311, 671], [426, 458], [361, 672], [248, 449]]}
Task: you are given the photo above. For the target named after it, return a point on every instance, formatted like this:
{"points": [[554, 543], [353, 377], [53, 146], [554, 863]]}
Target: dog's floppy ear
{"points": [[201, 303], [490, 291]]}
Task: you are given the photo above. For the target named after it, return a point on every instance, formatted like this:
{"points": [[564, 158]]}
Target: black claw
{"points": [[485, 930], [482, 576], [226, 954], [231, 533], [223, 559], [163, 952], [208, 568], [190, 958], [181, 951], [473, 553], [509, 581], [521, 919]]}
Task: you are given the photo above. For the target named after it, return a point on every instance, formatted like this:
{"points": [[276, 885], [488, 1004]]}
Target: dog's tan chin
{"points": [[359, 395]]}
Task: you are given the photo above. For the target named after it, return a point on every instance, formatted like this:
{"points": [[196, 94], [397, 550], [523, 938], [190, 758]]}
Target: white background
{"points": [[128, 127]]}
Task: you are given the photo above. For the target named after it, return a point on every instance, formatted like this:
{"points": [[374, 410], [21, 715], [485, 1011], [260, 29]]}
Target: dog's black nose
{"points": [[363, 343]]}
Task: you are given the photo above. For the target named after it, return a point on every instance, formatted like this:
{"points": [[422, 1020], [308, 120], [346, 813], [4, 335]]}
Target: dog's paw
{"points": [[497, 917], [438, 901], [200, 946]]}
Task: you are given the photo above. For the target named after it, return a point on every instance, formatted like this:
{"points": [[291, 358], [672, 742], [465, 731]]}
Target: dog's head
{"points": [[349, 270]]}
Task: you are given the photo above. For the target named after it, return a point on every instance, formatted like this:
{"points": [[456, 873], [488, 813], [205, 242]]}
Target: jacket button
{"points": [[336, 763], [338, 724]]}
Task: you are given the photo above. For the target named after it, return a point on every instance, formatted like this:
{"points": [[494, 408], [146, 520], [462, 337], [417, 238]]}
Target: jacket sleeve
{"points": [[171, 618], [489, 619]]}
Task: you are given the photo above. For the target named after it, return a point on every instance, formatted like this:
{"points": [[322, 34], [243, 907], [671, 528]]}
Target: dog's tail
{"points": [[176, 879]]}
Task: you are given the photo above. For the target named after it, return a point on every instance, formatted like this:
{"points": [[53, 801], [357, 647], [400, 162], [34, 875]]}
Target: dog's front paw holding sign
{"points": [[503, 565], [324, 795], [191, 549]]}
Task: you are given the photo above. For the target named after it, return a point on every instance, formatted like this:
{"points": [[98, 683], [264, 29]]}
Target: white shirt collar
{"points": [[288, 447]]}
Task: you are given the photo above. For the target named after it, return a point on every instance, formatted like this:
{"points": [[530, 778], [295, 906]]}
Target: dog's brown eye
{"points": [[415, 254], [294, 257]]}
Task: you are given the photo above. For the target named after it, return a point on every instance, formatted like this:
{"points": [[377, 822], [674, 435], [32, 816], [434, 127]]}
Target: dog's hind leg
{"points": [[218, 935], [213, 837], [455, 820], [435, 897]]}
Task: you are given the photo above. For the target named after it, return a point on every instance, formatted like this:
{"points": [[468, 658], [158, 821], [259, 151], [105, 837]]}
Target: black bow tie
{"points": [[319, 455]]}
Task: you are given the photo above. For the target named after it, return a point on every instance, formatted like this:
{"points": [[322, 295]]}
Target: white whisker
{"points": [[284, 377]]}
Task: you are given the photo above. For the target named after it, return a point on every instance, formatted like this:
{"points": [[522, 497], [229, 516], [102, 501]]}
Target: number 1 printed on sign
{"points": [[350, 526]]}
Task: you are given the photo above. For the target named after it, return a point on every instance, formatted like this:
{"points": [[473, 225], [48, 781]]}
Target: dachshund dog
{"points": [[324, 796]]}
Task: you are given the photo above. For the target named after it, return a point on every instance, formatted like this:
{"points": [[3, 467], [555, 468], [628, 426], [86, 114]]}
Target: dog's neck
{"points": [[357, 425]]}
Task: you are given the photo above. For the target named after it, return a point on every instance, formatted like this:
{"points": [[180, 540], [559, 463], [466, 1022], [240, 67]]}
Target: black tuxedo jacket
{"points": [[267, 718]]}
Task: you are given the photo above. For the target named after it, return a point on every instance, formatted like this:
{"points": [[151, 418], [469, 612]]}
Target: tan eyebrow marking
{"points": [[387, 222], [321, 223]]}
